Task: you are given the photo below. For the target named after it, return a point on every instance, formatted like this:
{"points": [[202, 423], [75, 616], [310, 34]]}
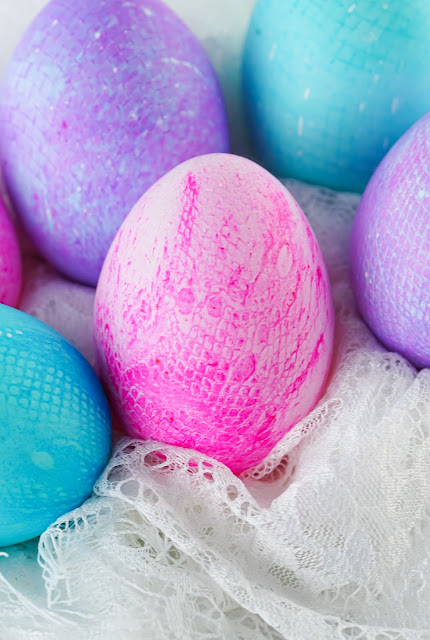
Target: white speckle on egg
{"points": [[115, 69], [185, 63], [300, 153], [421, 194], [148, 12], [385, 143], [376, 78], [306, 93], [273, 51], [394, 105], [352, 8], [362, 106], [43, 460], [300, 126], [54, 23], [97, 35]]}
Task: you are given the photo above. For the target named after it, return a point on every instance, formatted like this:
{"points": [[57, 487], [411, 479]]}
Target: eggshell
{"points": [[390, 247], [99, 101], [213, 314], [55, 427], [10, 260], [330, 86]]}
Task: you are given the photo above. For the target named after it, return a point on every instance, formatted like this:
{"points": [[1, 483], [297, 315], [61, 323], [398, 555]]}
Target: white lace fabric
{"points": [[328, 538]]}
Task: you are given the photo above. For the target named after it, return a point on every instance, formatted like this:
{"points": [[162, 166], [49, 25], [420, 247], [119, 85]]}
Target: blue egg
{"points": [[330, 86], [55, 427]]}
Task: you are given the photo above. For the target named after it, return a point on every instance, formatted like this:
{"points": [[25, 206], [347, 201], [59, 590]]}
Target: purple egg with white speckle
{"points": [[390, 247], [99, 100]]}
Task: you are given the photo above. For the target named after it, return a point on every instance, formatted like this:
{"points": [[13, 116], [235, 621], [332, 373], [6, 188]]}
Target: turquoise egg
{"points": [[330, 86], [55, 427]]}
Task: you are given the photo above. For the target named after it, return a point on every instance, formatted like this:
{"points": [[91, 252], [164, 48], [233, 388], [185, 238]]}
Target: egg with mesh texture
{"points": [[99, 100], [214, 316], [55, 427], [390, 247], [330, 85], [10, 260]]}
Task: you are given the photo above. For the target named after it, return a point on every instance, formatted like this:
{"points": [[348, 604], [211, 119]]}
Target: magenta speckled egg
{"points": [[10, 261], [214, 316], [100, 99], [390, 247]]}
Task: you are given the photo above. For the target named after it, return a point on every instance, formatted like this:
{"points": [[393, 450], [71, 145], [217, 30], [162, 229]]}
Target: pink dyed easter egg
{"points": [[214, 317], [10, 261]]}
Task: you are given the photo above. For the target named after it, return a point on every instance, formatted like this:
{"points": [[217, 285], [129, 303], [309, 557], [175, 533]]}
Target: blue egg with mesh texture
{"points": [[55, 427], [330, 85]]}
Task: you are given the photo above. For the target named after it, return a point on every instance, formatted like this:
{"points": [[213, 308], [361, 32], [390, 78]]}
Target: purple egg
{"points": [[390, 247], [99, 100]]}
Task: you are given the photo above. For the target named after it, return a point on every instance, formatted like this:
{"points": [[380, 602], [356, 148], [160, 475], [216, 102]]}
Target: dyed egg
{"points": [[10, 261], [99, 101], [390, 247], [330, 86], [55, 427], [213, 315]]}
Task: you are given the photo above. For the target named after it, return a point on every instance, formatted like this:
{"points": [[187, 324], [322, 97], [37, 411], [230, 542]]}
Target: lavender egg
{"points": [[99, 101], [390, 247]]}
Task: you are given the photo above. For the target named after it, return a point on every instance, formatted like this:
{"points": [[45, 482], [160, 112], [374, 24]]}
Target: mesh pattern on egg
{"points": [[390, 245], [236, 336]]}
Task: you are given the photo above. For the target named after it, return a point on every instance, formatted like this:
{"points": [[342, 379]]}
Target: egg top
{"points": [[390, 247], [55, 427], [10, 261], [214, 317], [330, 86], [99, 100]]}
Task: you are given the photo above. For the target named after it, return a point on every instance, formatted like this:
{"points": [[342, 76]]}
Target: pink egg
{"points": [[214, 317], [10, 261]]}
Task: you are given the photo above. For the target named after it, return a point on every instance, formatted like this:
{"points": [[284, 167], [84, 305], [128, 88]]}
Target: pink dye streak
{"points": [[10, 261], [214, 318]]}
